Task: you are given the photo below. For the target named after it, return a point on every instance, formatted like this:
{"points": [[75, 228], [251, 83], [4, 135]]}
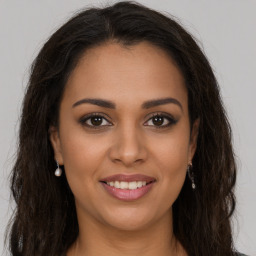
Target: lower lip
{"points": [[128, 194]]}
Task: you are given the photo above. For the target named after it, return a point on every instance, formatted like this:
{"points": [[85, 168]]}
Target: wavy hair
{"points": [[45, 221]]}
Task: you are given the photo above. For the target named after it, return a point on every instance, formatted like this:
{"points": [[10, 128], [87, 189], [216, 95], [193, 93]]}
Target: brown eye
{"points": [[161, 120], [158, 120], [94, 121]]}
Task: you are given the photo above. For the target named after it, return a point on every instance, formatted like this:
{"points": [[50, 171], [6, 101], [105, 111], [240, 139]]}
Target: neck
{"points": [[96, 238]]}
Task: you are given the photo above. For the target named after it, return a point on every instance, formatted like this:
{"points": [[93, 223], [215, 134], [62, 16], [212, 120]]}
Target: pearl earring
{"points": [[191, 175], [58, 171]]}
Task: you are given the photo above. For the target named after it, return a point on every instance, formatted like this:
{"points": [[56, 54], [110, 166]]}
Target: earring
{"points": [[58, 171], [191, 175]]}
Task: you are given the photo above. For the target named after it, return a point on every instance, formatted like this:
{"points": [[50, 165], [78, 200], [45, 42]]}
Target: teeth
{"points": [[124, 185], [116, 184], [127, 185], [140, 184]]}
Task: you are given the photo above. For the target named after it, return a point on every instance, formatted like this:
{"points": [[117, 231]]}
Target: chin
{"points": [[129, 219]]}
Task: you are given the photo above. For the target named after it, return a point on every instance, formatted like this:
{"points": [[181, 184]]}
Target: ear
{"points": [[193, 139], [55, 141]]}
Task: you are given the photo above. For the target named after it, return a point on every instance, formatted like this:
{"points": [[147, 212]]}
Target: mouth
{"points": [[128, 178], [128, 187]]}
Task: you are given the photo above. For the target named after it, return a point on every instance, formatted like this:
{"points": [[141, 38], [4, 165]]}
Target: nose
{"points": [[128, 147]]}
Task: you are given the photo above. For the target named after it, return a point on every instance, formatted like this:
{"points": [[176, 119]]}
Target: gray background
{"points": [[226, 29]]}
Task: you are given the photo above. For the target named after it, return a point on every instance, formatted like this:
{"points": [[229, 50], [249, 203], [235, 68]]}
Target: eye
{"points": [[95, 121], [160, 120]]}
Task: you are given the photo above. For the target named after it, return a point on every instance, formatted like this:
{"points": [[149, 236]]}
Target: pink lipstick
{"points": [[128, 187]]}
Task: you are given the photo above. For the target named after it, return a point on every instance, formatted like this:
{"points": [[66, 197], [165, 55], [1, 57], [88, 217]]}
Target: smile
{"points": [[128, 187]]}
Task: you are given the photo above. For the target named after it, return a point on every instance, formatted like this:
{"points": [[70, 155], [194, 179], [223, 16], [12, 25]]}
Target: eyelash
{"points": [[170, 119]]}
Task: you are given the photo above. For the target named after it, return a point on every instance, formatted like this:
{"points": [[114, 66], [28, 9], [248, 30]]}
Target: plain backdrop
{"points": [[227, 31]]}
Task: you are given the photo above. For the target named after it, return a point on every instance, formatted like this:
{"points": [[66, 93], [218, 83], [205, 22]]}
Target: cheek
{"points": [[82, 154], [171, 153], [171, 159], [82, 157]]}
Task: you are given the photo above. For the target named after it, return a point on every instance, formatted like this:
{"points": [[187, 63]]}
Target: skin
{"points": [[128, 142]]}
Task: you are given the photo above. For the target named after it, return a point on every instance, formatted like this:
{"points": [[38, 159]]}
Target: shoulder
{"points": [[240, 254]]}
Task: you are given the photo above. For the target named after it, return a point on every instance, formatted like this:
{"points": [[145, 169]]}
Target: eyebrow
{"points": [[146, 105]]}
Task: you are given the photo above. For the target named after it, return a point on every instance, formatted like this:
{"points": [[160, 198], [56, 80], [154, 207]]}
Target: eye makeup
{"points": [[97, 120]]}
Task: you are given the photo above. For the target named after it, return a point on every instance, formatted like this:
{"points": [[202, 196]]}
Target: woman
{"points": [[124, 105]]}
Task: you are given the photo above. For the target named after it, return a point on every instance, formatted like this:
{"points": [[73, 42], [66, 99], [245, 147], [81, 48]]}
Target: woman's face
{"points": [[139, 124]]}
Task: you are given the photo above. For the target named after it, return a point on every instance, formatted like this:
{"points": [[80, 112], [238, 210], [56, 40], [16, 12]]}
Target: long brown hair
{"points": [[45, 221]]}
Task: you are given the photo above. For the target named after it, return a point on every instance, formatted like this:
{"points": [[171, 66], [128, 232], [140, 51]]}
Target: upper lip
{"points": [[128, 178]]}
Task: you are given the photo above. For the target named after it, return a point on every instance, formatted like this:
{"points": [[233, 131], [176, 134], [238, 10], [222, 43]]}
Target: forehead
{"points": [[119, 73]]}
